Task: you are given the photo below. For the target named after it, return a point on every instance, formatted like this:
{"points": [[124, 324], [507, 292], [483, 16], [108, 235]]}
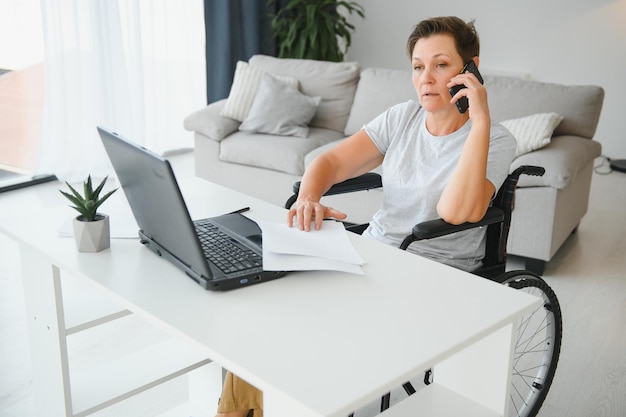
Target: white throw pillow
{"points": [[280, 109], [244, 89], [532, 132]]}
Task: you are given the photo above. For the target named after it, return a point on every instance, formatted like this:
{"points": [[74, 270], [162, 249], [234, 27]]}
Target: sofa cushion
{"points": [[309, 157], [244, 89], [378, 90], [334, 82], [563, 158], [279, 153], [209, 122], [580, 105], [280, 109], [532, 132]]}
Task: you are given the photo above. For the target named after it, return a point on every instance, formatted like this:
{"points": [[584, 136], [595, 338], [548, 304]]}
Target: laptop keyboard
{"points": [[222, 250]]}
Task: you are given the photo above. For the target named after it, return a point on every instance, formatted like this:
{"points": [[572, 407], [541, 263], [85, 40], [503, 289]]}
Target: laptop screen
{"points": [[155, 199]]}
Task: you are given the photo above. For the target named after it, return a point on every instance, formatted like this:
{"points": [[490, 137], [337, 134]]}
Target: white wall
{"points": [[562, 41]]}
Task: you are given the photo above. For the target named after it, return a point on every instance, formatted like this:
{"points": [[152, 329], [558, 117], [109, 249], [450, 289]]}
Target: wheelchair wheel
{"points": [[537, 345]]}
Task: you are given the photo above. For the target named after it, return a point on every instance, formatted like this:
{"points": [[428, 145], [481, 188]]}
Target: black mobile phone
{"points": [[462, 104]]}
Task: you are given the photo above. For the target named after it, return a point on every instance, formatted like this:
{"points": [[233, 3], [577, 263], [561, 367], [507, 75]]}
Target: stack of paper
{"points": [[123, 224], [291, 249]]}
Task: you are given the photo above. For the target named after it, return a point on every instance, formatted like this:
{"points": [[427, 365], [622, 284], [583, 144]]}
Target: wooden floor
{"points": [[21, 115], [588, 274]]}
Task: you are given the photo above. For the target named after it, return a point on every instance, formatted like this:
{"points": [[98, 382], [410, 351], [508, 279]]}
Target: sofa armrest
{"points": [[209, 122], [563, 159]]}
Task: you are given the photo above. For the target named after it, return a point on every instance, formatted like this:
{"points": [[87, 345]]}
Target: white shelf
{"points": [[187, 409], [108, 383], [125, 369], [435, 400], [85, 308]]}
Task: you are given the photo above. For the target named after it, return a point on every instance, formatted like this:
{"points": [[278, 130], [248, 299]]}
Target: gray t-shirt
{"points": [[416, 168]]}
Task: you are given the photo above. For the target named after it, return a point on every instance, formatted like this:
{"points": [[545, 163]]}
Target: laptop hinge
{"points": [[187, 269]]}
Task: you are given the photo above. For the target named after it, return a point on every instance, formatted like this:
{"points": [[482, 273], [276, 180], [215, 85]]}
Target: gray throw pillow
{"points": [[280, 109], [245, 86]]}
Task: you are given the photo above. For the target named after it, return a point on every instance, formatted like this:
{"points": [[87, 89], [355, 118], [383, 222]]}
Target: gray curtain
{"points": [[235, 30]]}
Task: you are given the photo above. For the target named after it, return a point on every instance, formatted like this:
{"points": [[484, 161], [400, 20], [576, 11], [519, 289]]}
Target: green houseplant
{"points": [[314, 29], [91, 229]]}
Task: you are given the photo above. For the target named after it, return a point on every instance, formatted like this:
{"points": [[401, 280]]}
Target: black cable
{"points": [[605, 164]]}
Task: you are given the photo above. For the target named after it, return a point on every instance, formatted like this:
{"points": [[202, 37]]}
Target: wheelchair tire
{"points": [[537, 345]]}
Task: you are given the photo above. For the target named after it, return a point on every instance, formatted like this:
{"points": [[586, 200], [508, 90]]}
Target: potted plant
{"points": [[314, 29], [91, 229]]}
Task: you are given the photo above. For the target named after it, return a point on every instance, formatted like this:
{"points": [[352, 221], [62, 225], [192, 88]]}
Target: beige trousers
{"points": [[238, 395]]}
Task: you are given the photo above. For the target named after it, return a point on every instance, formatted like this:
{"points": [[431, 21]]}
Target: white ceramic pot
{"points": [[92, 236]]}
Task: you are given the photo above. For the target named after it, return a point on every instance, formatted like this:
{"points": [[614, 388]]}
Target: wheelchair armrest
{"points": [[367, 181], [436, 228], [363, 182]]}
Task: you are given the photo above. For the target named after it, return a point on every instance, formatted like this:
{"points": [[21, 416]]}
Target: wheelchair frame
{"points": [[538, 340]]}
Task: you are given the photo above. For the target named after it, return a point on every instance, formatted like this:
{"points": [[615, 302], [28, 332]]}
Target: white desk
{"points": [[316, 343]]}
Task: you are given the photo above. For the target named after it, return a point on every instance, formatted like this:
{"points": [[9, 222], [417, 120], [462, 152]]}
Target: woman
{"points": [[436, 161]]}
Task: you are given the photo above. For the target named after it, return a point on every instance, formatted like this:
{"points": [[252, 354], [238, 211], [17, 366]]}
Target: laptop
{"points": [[219, 253]]}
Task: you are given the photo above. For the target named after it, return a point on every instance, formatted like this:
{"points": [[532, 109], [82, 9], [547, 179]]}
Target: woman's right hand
{"points": [[308, 211]]}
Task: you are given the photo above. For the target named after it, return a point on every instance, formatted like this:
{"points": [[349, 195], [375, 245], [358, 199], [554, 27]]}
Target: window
{"points": [[21, 92]]}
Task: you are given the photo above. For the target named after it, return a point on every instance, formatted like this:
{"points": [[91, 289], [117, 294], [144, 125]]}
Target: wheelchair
{"points": [[537, 335]]}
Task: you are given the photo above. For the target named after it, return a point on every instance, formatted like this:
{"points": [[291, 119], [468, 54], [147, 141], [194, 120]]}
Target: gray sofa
{"points": [[548, 209]]}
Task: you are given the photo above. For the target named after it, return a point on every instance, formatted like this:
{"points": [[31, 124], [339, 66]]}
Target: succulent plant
{"points": [[88, 203]]}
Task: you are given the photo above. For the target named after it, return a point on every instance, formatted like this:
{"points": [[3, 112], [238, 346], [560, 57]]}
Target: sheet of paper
{"points": [[290, 249], [121, 228], [121, 220], [282, 262]]}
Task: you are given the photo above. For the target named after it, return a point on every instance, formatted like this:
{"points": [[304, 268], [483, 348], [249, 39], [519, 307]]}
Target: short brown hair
{"points": [[464, 34]]}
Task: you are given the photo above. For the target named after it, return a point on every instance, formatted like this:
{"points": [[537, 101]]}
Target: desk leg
{"points": [[205, 387], [46, 328], [481, 371], [278, 405]]}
